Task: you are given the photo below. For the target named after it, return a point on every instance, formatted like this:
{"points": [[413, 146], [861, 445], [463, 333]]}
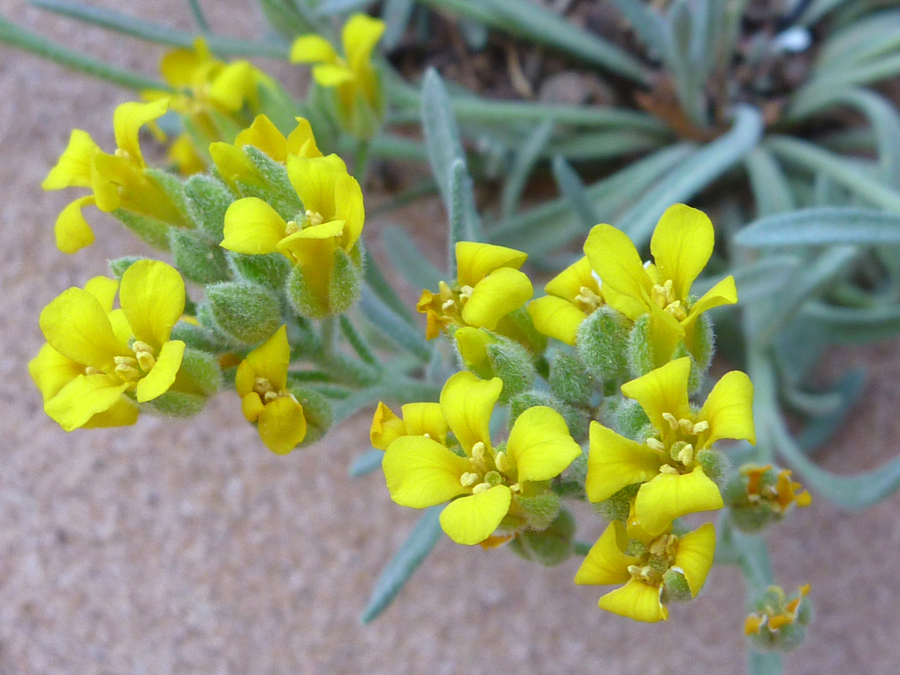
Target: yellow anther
{"points": [[262, 386], [670, 418], [90, 370], [478, 452], [686, 454], [700, 427], [426, 435], [124, 154], [444, 290], [634, 570], [291, 227], [144, 354], [515, 488], [450, 304], [502, 462], [677, 310], [686, 426], [469, 479], [656, 445], [126, 368], [481, 487], [666, 468], [466, 292], [312, 218], [587, 299]]}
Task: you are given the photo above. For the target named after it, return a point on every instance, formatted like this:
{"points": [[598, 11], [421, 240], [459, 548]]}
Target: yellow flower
{"points": [[488, 287], [233, 164], [681, 246], [185, 157], [775, 612], [483, 480], [205, 87], [644, 574], [121, 350], [51, 371], [419, 419], [572, 296], [673, 483], [117, 180], [356, 82], [261, 382], [333, 218]]}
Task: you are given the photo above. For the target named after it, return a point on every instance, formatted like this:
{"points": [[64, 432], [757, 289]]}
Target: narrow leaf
{"points": [[408, 260], [823, 226], [394, 326], [851, 325], [406, 560], [366, 463], [573, 189], [396, 15], [526, 157], [820, 430], [771, 189]]}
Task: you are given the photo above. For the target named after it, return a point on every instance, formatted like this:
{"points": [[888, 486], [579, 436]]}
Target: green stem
{"points": [[358, 342], [31, 42], [199, 17], [361, 161]]}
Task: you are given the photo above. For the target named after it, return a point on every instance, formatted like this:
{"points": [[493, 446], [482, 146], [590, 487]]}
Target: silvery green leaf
{"points": [[853, 325], [442, 139], [647, 23], [694, 174], [526, 157], [757, 280], [405, 562], [871, 36], [408, 260], [820, 430], [328, 7], [396, 15], [607, 144], [763, 663], [366, 463], [823, 226], [570, 185], [394, 326], [771, 189]]}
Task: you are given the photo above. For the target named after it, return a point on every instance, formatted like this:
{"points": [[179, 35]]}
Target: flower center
{"points": [[587, 300], [267, 393], [678, 448], [655, 561], [133, 368], [664, 298], [488, 467]]}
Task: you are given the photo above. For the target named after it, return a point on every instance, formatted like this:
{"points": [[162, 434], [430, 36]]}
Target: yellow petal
{"points": [[265, 136], [723, 293], [472, 344], [386, 427], [76, 326], [234, 85], [152, 296], [120, 326], [51, 371], [108, 172], [637, 601], [420, 472], [179, 67], [233, 165], [349, 207], [301, 141], [252, 227], [128, 120], [664, 390], [670, 496], [104, 289], [556, 318], [332, 74], [616, 261], [123, 413], [496, 295], [314, 179], [313, 49], [161, 377], [251, 406], [665, 335], [729, 409], [605, 563], [282, 425], [271, 359], [568, 283], [467, 403], [425, 418], [681, 246], [360, 35], [72, 231], [471, 519], [474, 261], [74, 166], [615, 462], [539, 445], [695, 555], [82, 398]]}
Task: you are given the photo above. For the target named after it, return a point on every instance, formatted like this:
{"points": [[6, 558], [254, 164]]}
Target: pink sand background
{"points": [[186, 547]]}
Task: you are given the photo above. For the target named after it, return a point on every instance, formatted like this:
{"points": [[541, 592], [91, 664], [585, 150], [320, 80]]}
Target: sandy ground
{"points": [[189, 548]]}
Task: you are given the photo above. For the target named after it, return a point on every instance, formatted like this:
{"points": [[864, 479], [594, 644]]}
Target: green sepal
{"points": [[549, 547], [704, 345], [173, 187], [601, 344], [346, 279], [248, 312], [288, 207], [270, 270], [199, 373], [118, 266], [152, 231], [540, 509], [519, 326], [675, 587], [640, 356], [196, 257], [618, 507], [301, 296], [208, 198], [627, 418], [715, 465], [211, 330], [201, 337], [175, 404], [316, 409], [276, 178], [576, 419], [570, 381]]}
